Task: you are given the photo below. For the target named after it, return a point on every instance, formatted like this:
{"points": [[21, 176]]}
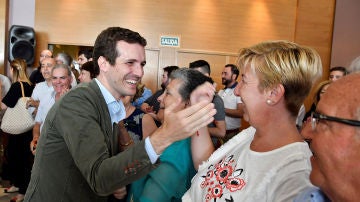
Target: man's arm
{"points": [[236, 113], [219, 130]]}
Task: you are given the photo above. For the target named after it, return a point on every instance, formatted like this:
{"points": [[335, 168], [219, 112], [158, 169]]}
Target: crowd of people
{"points": [[101, 135]]}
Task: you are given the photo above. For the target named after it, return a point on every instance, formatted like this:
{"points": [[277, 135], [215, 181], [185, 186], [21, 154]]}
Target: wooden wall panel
{"points": [[205, 26], [314, 27], [3, 31], [151, 70], [217, 61]]}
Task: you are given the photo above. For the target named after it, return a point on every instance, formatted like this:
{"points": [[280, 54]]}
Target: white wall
{"points": [[22, 12], [346, 35]]}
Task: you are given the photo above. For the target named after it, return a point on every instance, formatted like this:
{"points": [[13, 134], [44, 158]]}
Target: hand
{"points": [[149, 109], [29, 103], [120, 193], [205, 92], [33, 144], [181, 124], [63, 91]]}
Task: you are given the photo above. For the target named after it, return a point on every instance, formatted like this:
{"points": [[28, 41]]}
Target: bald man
{"points": [[334, 138], [36, 76]]}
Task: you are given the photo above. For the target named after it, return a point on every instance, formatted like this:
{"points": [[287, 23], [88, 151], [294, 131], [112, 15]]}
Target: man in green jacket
{"points": [[77, 157]]}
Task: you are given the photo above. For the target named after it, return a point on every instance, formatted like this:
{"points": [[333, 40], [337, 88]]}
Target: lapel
{"points": [[110, 130]]}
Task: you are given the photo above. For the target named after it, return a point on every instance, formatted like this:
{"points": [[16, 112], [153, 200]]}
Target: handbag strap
{"points": [[22, 89]]}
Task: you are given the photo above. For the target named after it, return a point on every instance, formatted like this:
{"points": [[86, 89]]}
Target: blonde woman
{"points": [[269, 161], [19, 156]]}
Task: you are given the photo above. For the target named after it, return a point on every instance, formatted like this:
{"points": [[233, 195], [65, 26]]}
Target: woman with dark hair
{"points": [[87, 72], [170, 180], [19, 156]]}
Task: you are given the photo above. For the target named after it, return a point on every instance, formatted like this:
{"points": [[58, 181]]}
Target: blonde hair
{"points": [[282, 62], [18, 66], [139, 91]]}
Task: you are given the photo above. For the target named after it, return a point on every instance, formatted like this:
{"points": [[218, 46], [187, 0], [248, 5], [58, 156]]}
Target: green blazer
{"points": [[77, 156]]}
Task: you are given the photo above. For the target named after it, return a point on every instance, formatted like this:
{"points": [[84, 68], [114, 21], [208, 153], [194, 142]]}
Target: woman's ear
{"points": [[275, 94]]}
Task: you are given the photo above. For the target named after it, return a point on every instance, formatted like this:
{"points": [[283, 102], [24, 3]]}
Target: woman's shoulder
{"points": [[239, 141]]}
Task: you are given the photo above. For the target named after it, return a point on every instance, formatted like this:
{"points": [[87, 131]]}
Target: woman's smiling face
{"points": [[171, 95]]}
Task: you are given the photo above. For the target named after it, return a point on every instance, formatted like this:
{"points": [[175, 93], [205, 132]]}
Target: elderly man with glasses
{"points": [[334, 138]]}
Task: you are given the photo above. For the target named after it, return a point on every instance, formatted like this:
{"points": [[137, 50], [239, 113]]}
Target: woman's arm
{"points": [[148, 125], [201, 146]]}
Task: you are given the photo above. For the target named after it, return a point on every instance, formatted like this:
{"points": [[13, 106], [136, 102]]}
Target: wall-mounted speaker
{"points": [[22, 43]]}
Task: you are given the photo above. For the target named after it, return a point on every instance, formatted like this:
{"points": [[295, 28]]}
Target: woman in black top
{"points": [[18, 155]]}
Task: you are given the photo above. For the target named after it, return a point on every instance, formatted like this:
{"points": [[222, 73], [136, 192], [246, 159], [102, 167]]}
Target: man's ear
{"points": [[102, 62], [233, 77], [275, 94]]}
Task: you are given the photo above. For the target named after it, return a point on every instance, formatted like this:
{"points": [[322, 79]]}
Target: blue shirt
{"points": [[118, 113], [312, 194], [146, 94]]}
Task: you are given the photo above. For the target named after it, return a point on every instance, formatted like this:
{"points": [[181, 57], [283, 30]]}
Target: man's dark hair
{"points": [[170, 69], [190, 80], [88, 53], [105, 43], [202, 64], [234, 69], [339, 68]]}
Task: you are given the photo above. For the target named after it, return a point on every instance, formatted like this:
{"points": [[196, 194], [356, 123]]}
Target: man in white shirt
{"points": [[232, 103], [42, 89]]}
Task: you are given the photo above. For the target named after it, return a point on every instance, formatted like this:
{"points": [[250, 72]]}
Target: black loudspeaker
{"points": [[22, 43]]}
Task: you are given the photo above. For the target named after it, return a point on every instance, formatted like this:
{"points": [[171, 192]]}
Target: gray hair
{"points": [[62, 66], [354, 66]]}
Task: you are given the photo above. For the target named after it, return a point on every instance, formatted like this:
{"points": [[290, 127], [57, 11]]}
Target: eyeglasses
{"points": [[316, 117]]}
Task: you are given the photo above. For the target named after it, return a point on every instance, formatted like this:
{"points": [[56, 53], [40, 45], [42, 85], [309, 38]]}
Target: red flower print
{"points": [[217, 191], [234, 184], [223, 174]]}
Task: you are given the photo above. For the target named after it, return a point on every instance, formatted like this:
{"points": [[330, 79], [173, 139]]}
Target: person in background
{"points": [[170, 180], [269, 161], [84, 55], [336, 73], [233, 104], [217, 129], [19, 157], [5, 84], [78, 150], [61, 83], [36, 76], [87, 72], [333, 136], [64, 58], [45, 88], [319, 91], [145, 94], [138, 124], [354, 66], [151, 105]]}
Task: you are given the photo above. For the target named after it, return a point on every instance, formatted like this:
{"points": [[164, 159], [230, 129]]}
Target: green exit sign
{"points": [[172, 41]]}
